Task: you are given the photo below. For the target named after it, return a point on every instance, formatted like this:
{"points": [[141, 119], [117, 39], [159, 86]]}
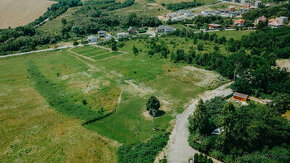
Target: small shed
{"points": [[240, 96], [102, 34]]}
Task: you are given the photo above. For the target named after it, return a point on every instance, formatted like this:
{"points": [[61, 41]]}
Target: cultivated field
{"points": [[36, 126], [15, 13]]}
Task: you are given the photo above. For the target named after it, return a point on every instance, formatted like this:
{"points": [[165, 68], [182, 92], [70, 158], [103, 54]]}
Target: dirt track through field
{"points": [[15, 13], [178, 149]]}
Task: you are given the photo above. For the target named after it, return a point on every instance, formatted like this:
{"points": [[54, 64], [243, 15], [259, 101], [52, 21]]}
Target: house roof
{"points": [[241, 95], [240, 21], [165, 27], [262, 18], [101, 31], [214, 25]]}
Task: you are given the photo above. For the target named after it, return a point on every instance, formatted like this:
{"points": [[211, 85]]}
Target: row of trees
{"points": [[243, 130], [182, 5]]}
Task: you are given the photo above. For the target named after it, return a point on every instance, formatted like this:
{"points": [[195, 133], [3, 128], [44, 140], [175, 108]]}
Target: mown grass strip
{"points": [[94, 53], [106, 55], [89, 51], [56, 96]]}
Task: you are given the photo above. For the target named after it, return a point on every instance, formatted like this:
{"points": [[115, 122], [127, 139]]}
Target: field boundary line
{"points": [[88, 58]]}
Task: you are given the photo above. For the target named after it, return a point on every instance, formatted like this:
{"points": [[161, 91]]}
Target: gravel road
{"points": [[178, 149]]}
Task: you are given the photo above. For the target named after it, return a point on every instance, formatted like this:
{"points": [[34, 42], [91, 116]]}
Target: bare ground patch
{"points": [[15, 13]]}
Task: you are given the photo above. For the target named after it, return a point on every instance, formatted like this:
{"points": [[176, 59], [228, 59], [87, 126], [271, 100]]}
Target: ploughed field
{"points": [[83, 103], [15, 13]]}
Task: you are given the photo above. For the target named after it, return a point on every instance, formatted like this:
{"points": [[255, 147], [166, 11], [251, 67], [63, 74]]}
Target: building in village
{"points": [[240, 96], [214, 26], [260, 19], [102, 34], [123, 35], [239, 22], [278, 22], [92, 39], [132, 30], [164, 29]]}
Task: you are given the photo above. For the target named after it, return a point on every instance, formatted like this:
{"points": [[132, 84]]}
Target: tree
{"points": [[153, 106], [114, 46], [200, 47], [200, 120], [135, 50], [75, 43], [281, 103], [63, 21]]}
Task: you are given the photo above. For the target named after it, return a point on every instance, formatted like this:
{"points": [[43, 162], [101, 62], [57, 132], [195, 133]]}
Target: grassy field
{"points": [[15, 13], [31, 130], [233, 34], [103, 81]]}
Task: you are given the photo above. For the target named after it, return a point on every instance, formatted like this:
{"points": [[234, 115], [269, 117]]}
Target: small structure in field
{"points": [[102, 34], [275, 23], [240, 96], [123, 35], [92, 39]]}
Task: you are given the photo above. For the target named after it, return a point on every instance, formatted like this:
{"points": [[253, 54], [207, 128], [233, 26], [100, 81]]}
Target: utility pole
{"points": [[153, 114]]}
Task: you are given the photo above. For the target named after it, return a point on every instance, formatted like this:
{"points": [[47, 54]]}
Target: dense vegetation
{"points": [[56, 10], [271, 12], [182, 5], [252, 133], [142, 151], [250, 62], [56, 96]]}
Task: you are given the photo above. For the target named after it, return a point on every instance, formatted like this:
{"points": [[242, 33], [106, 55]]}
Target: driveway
{"points": [[178, 149]]}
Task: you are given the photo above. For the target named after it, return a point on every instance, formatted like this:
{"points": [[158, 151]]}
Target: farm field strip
{"points": [[94, 53]]}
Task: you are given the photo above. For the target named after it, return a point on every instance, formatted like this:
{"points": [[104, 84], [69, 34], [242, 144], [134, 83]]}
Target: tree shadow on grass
{"points": [[159, 113]]}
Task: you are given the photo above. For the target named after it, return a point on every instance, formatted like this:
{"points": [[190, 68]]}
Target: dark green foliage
{"points": [[182, 5], [280, 10], [281, 103], [56, 10], [247, 132], [75, 43], [153, 104], [142, 151], [135, 50], [56, 96], [201, 158], [200, 47]]}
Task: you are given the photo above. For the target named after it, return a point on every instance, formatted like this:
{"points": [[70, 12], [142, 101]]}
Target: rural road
{"points": [[44, 50], [178, 149]]}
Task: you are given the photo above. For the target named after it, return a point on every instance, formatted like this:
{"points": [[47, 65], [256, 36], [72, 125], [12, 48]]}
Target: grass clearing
{"points": [[33, 131], [237, 35]]}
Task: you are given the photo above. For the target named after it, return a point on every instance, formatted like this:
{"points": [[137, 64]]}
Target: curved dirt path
{"points": [[178, 149]]}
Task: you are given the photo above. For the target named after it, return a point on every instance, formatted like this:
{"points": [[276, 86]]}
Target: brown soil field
{"points": [[15, 13]]}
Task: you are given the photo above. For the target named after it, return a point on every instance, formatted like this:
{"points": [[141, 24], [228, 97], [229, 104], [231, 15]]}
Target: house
{"points": [[109, 37], [132, 30], [282, 19], [102, 34], [269, 4], [275, 23], [123, 35], [239, 22], [164, 29], [92, 39], [214, 26], [260, 19], [240, 96], [179, 18]]}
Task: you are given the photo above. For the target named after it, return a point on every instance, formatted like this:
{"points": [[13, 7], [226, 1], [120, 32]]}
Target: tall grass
{"points": [[56, 96]]}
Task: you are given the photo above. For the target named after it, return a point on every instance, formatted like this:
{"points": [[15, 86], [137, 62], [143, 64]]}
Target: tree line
{"points": [[182, 5], [251, 62]]}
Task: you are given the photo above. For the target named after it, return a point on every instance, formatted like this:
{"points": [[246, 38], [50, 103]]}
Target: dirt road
{"points": [[178, 149]]}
